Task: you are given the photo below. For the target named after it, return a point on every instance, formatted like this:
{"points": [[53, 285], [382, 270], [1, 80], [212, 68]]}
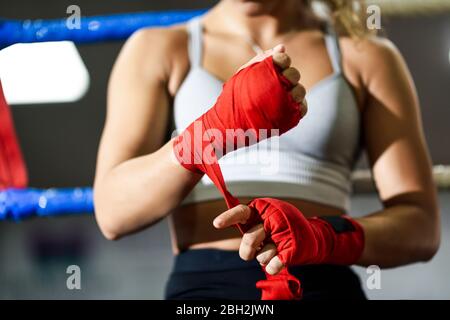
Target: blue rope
{"points": [[92, 29], [17, 204]]}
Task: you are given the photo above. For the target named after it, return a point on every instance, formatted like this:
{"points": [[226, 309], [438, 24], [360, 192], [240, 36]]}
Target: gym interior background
{"points": [[59, 142]]}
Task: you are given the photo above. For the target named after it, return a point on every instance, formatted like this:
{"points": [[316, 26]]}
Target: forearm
{"points": [[140, 191], [399, 235]]}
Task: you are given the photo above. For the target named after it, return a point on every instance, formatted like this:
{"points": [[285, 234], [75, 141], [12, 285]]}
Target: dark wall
{"points": [[425, 44]]}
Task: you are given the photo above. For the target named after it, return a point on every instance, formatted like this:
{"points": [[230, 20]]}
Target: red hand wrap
{"points": [[254, 101], [301, 240]]}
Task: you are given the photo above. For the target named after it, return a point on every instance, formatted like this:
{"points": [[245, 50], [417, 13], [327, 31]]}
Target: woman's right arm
{"points": [[137, 182]]}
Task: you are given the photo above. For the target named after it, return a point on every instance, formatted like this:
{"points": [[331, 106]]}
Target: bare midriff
{"points": [[191, 225]]}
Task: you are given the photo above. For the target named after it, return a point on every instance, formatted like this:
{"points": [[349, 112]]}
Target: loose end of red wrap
{"points": [[282, 286]]}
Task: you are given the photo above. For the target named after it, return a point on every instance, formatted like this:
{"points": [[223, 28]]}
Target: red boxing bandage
{"points": [[254, 99], [300, 240]]}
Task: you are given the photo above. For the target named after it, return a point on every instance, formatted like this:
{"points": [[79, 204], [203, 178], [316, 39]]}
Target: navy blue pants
{"points": [[218, 274]]}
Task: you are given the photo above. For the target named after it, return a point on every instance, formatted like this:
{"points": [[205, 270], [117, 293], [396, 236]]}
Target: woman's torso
{"points": [[315, 56]]}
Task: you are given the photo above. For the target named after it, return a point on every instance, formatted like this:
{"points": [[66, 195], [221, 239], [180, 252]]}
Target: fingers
{"points": [[292, 74], [266, 254], [298, 93], [239, 214], [304, 108], [274, 266], [251, 247], [251, 242], [268, 257], [282, 60]]}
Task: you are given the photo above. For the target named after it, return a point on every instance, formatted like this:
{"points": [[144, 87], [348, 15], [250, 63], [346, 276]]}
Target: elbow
{"points": [[108, 225], [430, 250], [108, 232], [432, 240]]}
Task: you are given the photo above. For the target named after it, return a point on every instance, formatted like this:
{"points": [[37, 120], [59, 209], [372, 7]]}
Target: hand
{"points": [[262, 99], [283, 61], [296, 240], [254, 243]]}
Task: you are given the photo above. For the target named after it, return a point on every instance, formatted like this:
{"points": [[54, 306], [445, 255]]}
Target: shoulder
{"points": [[374, 48], [371, 56], [159, 39], [155, 50]]}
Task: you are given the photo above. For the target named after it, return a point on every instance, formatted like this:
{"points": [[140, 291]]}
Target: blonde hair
{"points": [[347, 16]]}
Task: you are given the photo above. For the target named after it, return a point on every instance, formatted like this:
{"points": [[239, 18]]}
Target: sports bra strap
{"points": [[334, 51], [194, 29]]}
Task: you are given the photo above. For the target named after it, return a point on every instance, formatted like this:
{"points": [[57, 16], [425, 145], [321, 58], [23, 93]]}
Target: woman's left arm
{"points": [[408, 228]]}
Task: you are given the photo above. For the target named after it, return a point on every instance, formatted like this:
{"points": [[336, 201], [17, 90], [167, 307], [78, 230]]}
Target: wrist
{"points": [[340, 239]]}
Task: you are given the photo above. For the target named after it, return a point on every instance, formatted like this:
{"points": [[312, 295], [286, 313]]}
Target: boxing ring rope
{"points": [[20, 203], [92, 29], [17, 204]]}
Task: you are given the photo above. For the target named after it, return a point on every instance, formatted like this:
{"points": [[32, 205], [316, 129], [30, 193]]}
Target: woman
{"points": [[360, 96]]}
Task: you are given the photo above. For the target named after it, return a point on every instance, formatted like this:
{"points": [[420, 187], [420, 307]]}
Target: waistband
{"points": [[215, 260], [210, 260]]}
